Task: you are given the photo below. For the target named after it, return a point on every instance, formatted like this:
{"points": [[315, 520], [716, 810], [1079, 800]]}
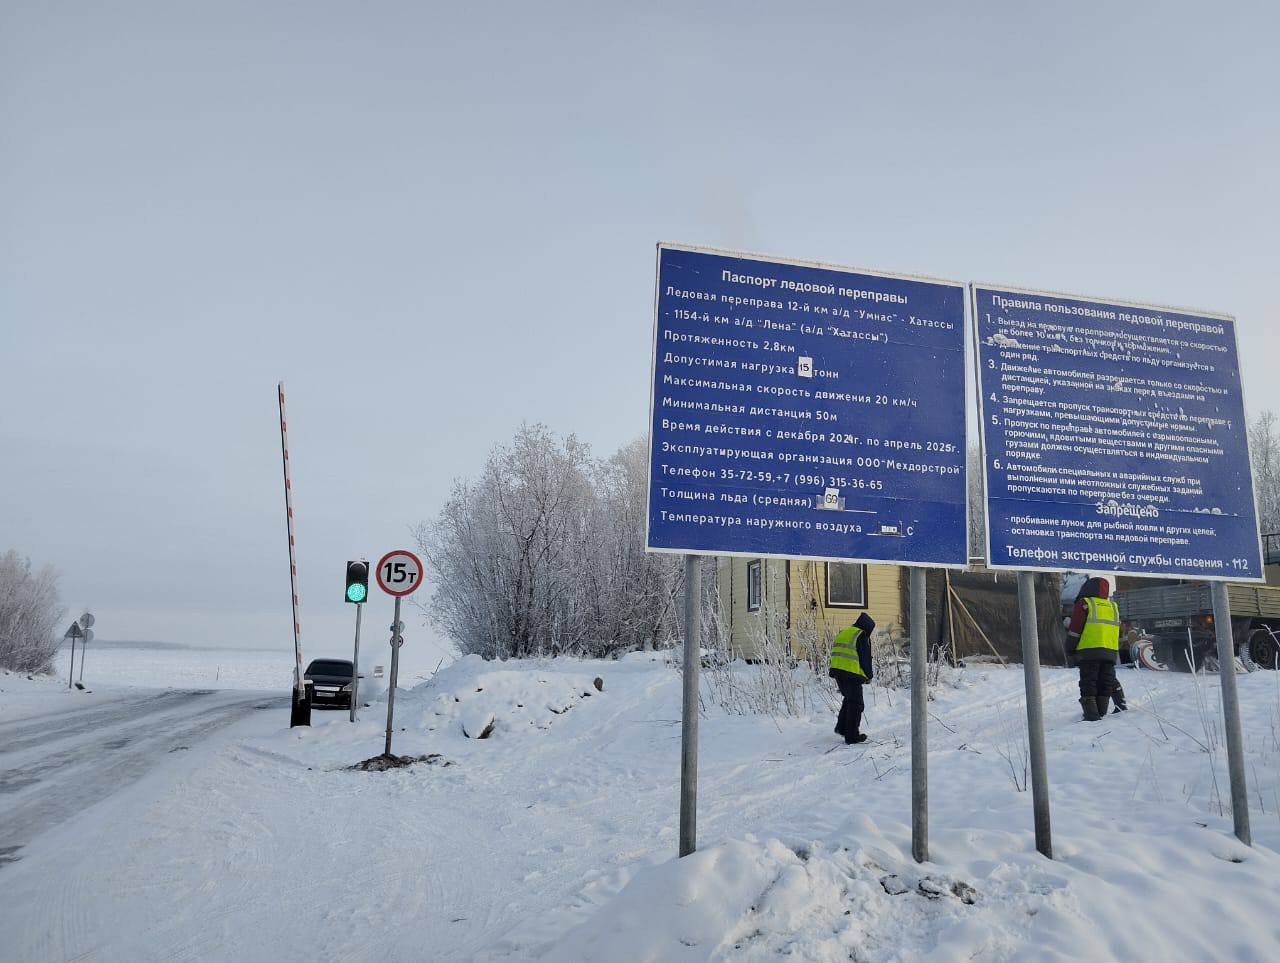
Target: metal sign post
{"points": [[355, 665], [86, 622], [1230, 713], [84, 647], [1035, 711], [399, 574], [73, 633], [689, 710], [397, 640], [919, 719]]}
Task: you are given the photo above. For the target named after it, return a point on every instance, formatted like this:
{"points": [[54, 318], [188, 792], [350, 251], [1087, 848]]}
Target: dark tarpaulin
{"points": [[985, 603]]}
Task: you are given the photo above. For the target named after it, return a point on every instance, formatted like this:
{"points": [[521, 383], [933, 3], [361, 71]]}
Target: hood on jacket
{"points": [[866, 623], [1098, 588]]}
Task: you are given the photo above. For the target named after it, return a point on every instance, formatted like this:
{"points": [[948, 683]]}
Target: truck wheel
{"points": [[1261, 650]]}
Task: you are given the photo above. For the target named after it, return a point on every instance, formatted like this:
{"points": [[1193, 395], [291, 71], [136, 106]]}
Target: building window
{"points": [[846, 585], [754, 586]]}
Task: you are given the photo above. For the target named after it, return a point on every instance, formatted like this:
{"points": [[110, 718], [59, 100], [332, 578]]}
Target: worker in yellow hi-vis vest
{"points": [[851, 668], [1093, 636]]}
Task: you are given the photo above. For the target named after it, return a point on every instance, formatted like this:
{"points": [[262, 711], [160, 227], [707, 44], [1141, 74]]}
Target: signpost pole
{"points": [[395, 671], [86, 636], [355, 665], [71, 674], [689, 715], [1035, 711], [919, 720], [1230, 712]]}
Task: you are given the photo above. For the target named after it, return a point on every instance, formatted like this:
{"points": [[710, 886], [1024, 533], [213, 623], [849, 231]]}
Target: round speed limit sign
{"points": [[399, 573]]}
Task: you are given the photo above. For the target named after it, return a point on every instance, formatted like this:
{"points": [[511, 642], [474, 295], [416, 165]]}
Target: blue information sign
{"points": [[806, 411], [1114, 438]]}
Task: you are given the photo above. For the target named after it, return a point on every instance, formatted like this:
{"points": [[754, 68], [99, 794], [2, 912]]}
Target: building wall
{"points": [[749, 630], [788, 610], [883, 597]]}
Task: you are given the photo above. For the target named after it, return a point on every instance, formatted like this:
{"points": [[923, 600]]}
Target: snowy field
{"points": [[554, 837]]}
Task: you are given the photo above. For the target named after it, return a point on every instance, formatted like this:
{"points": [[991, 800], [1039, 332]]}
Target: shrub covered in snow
{"points": [[29, 612], [543, 554]]}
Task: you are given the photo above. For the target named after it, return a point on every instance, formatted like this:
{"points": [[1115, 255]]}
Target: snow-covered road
{"points": [[56, 764]]}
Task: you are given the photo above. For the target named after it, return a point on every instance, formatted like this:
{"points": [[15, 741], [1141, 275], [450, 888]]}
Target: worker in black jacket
{"points": [[851, 668]]}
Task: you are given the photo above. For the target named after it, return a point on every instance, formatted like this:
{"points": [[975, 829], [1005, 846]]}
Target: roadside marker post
{"points": [[86, 622], [399, 574], [789, 419], [73, 633], [1128, 455]]}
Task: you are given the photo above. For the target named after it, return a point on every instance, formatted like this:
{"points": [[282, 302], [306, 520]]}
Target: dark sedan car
{"points": [[332, 680]]}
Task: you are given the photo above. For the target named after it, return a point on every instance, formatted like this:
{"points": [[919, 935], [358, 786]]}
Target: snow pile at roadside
{"points": [[757, 899], [23, 694], [1194, 896], [1145, 865], [486, 700]]}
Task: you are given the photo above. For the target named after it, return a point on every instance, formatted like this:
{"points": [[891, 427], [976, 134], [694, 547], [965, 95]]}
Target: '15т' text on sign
{"points": [[806, 411], [1114, 438]]}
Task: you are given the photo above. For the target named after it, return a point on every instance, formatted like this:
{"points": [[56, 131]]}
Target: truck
{"points": [[1178, 618]]}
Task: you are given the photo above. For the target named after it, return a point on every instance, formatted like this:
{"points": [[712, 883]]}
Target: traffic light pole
{"points": [[355, 665], [395, 672]]}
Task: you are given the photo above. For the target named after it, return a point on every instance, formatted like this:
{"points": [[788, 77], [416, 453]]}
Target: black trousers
{"points": [[1097, 678], [851, 704]]}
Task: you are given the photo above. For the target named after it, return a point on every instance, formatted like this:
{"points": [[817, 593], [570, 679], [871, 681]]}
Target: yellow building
{"points": [[770, 606]]}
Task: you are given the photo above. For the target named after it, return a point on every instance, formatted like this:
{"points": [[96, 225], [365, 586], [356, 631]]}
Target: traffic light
{"points": [[357, 581]]}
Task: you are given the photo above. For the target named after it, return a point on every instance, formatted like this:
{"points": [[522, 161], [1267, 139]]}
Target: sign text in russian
{"points": [[806, 411], [1114, 438]]}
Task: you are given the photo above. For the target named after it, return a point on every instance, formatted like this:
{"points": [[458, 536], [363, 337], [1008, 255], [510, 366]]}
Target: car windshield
{"points": [[329, 667]]}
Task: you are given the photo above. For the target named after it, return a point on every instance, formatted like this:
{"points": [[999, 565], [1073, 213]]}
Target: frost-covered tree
{"points": [[1264, 445], [29, 613], [543, 554]]}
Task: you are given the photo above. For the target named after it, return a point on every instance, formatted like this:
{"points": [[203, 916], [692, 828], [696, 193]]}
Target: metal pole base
{"points": [[689, 711], [1230, 712], [300, 711], [1035, 712], [919, 719]]}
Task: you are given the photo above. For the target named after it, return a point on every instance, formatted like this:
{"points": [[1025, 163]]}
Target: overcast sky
{"points": [[433, 221]]}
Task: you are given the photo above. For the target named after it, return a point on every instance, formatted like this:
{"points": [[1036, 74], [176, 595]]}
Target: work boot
{"points": [[1118, 698], [1104, 705], [1090, 706], [856, 737]]}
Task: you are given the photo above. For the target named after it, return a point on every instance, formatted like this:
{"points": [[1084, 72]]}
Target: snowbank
{"points": [[555, 837], [486, 700]]}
